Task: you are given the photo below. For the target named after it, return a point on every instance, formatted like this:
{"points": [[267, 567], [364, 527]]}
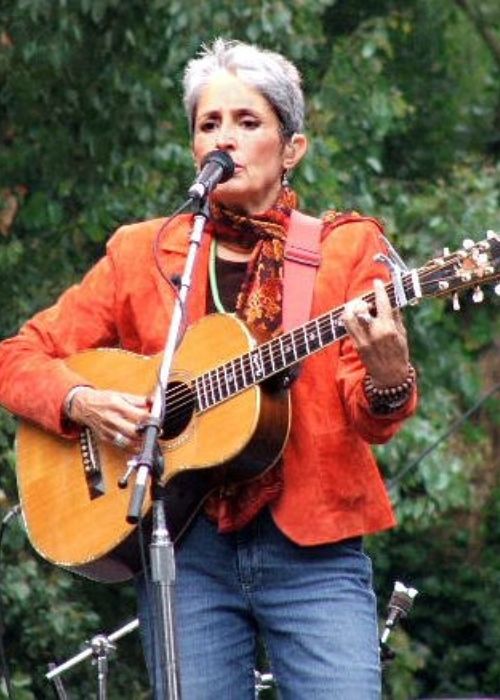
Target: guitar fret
{"points": [[213, 386], [265, 368], [282, 350], [199, 395], [251, 367], [340, 329], [289, 354], [271, 356], [321, 341], [325, 333], [233, 378], [226, 382], [258, 364], [217, 379], [243, 375], [299, 343], [249, 370], [332, 325], [210, 393], [267, 359], [313, 337], [204, 388], [222, 383]]}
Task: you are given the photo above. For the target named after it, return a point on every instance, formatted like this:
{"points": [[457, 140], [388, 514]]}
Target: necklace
{"points": [[212, 273]]}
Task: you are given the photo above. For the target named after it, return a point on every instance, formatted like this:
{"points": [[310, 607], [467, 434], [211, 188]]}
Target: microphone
{"points": [[399, 606], [216, 166]]}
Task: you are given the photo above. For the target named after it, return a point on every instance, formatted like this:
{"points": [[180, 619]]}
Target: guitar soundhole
{"points": [[179, 409]]}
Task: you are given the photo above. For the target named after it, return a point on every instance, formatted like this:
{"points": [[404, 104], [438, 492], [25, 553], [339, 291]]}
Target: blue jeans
{"points": [[313, 608]]}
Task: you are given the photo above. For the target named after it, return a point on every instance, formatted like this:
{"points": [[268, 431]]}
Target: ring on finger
{"points": [[121, 441]]}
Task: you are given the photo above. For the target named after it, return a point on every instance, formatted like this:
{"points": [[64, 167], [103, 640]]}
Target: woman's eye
{"points": [[207, 126], [249, 123]]}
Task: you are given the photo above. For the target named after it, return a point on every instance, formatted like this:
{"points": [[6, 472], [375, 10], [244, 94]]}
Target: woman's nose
{"points": [[225, 138]]}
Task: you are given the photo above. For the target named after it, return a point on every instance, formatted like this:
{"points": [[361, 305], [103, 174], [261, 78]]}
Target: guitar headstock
{"points": [[473, 265]]}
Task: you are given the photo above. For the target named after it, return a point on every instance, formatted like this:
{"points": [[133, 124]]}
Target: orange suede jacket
{"points": [[332, 486]]}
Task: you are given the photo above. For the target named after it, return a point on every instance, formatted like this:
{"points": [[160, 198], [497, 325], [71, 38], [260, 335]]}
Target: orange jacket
{"points": [[332, 486]]}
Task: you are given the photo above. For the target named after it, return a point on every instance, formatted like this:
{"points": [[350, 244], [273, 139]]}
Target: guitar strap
{"points": [[301, 261]]}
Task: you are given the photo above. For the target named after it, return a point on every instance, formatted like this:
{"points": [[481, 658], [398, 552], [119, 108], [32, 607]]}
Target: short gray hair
{"points": [[276, 78]]}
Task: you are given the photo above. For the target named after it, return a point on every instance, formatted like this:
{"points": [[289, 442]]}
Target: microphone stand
{"points": [[148, 464], [99, 648]]}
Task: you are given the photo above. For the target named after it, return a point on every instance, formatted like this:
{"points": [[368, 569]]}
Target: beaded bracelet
{"points": [[384, 400]]}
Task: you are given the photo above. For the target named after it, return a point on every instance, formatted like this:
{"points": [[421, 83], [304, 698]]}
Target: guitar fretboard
{"points": [[440, 277], [267, 360]]}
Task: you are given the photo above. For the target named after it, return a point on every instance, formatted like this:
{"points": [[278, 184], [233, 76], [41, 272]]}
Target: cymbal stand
{"points": [[99, 648]]}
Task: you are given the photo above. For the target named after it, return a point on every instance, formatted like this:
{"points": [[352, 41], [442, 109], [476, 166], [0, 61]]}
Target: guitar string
{"points": [[275, 357], [245, 366], [300, 346], [274, 349]]}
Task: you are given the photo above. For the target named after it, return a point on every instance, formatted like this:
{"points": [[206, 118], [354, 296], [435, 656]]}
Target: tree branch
{"points": [[474, 13]]}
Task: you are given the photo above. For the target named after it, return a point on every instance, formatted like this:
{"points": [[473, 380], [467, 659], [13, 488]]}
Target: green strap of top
{"points": [[213, 278]]}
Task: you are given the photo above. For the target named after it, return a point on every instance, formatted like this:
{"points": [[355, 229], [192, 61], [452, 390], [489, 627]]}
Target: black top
{"points": [[229, 275]]}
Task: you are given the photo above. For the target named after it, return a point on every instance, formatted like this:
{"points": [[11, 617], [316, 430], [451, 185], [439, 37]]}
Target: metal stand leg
{"points": [[99, 648], [163, 580]]}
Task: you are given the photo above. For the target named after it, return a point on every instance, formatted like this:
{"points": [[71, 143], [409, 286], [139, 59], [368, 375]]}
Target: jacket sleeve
{"points": [[373, 428], [34, 380]]}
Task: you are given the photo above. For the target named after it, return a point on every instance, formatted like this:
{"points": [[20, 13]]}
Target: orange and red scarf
{"points": [[260, 299], [259, 304]]}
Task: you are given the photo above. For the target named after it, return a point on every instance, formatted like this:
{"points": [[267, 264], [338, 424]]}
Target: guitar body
{"points": [[74, 510]]}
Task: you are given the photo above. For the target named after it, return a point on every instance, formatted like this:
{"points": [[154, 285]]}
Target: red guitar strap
{"points": [[302, 259]]}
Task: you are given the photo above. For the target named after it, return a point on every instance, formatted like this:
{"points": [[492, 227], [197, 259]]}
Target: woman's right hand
{"points": [[111, 415]]}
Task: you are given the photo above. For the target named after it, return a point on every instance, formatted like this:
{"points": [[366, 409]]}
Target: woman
{"points": [[280, 558]]}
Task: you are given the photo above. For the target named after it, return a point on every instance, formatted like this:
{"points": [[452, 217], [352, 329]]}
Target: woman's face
{"points": [[236, 118]]}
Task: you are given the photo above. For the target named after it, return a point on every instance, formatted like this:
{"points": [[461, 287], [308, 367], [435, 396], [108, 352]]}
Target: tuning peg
{"points": [[468, 243], [456, 302], [477, 295], [491, 234], [496, 289], [446, 251]]}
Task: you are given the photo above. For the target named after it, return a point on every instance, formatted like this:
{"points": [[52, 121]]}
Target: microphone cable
{"points": [[453, 428], [11, 513]]}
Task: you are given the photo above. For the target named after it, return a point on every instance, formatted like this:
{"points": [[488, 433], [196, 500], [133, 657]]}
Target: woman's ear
{"points": [[295, 150]]}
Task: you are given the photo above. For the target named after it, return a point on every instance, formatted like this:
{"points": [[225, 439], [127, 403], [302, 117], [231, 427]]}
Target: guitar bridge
{"points": [[91, 464]]}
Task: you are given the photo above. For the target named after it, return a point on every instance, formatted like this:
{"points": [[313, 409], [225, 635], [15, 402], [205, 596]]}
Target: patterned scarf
{"points": [[259, 305], [260, 299]]}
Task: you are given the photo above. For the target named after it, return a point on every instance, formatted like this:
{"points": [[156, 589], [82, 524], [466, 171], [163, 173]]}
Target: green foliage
{"points": [[402, 110]]}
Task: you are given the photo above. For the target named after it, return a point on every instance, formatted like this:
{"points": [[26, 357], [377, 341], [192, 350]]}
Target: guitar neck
{"points": [[285, 351], [472, 266]]}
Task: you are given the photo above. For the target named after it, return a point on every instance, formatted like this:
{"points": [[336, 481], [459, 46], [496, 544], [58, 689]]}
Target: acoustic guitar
{"points": [[227, 416]]}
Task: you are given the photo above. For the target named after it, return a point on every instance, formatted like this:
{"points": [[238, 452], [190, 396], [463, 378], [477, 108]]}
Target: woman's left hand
{"points": [[380, 337]]}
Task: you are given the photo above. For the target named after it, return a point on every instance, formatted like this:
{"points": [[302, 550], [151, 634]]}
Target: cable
{"points": [[11, 513], [149, 606], [454, 426]]}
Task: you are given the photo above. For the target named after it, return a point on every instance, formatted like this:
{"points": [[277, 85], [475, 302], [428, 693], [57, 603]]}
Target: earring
{"points": [[284, 179]]}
